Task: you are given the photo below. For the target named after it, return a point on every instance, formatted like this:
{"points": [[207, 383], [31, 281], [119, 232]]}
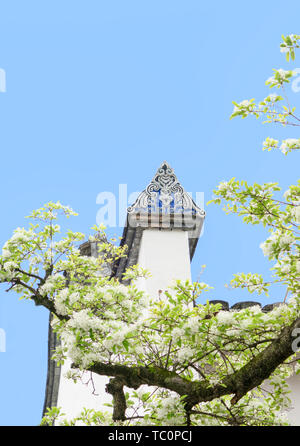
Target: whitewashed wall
{"points": [[165, 254]]}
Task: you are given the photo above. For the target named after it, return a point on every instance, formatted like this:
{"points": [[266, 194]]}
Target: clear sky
{"points": [[99, 93]]}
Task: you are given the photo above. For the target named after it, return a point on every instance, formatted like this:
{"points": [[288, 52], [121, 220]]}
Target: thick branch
{"points": [[39, 299], [115, 388], [239, 383]]}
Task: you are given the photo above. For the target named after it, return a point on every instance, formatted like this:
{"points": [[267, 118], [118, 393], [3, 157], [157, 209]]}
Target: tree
{"points": [[183, 364]]}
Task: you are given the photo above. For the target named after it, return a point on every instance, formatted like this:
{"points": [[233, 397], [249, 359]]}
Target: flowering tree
{"points": [[180, 363]]}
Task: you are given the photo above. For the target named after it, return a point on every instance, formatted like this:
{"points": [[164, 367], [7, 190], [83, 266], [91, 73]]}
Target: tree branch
{"points": [[115, 388], [238, 383]]}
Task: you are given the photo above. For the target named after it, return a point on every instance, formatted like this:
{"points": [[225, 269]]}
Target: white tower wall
{"points": [[165, 254]]}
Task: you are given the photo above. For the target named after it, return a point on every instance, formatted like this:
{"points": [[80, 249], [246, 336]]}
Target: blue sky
{"points": [[99, 94]]}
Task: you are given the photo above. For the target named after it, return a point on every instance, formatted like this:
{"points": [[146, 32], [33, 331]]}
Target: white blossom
{"points": [[289, 144], [267, 248], [296, 214], [74, 297], [35, 260], [177, 333], [286, 239], [10, 266], [83, 320], [185, 353], [6, 253], [225, 317]]}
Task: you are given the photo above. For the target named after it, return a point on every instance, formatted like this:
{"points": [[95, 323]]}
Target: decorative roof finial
{"points": [[165, 194]]}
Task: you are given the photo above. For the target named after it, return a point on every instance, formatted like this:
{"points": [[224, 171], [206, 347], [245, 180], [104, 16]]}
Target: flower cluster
{"points": [[279, 77], [289, 44]]}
